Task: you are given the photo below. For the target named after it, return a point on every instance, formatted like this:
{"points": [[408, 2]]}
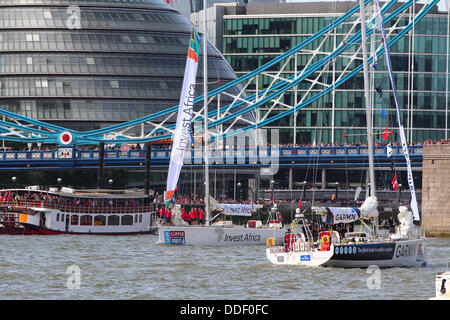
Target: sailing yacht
{"points": [[365, 247], [217, 233]]}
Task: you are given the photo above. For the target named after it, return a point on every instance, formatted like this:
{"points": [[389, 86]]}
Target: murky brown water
{"points": [[135, 267]]}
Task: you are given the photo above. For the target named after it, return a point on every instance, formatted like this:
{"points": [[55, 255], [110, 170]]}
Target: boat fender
{"points": [[325, 239], [443, 286], [270, 241], [325, 243]]}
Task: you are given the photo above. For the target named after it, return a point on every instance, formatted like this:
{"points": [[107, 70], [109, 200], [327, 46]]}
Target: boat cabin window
{"points": [[57, 217], [140, 218], [62, 217], [99, 221], [135, 218], [74, 220], [86, 220], [113, 220], [127, 220]]}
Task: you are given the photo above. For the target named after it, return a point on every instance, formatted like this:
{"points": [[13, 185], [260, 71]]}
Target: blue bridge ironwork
{"points": [[73, 158]]}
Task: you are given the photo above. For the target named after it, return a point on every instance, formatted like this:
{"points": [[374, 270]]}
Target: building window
{"points": [[127, 220], [74, 220], [113, 220], [86, 220], [99, 221]]}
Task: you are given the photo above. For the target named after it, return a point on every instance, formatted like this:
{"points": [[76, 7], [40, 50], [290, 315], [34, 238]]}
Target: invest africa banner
{"points": [[182, 134], [237, 209]]}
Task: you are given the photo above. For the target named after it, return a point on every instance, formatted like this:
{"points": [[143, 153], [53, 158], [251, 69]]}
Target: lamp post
{"points": [[303, 191], [13, 179], [399, 194], [59, 181], [337, 188], [272, 185], [239, 185]]}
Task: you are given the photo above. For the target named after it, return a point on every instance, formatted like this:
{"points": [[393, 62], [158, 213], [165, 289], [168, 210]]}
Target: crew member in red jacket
{"points": [[188, 217], [168, 216], [288, 240], [201, 216]]}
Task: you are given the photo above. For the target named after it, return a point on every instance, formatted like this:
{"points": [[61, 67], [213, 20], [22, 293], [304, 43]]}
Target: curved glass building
{"points": [[86, 64]]}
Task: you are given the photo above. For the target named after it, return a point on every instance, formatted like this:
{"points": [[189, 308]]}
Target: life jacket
{"points": [[325, 242], [288, 240], [169, 213], [201, 214]]}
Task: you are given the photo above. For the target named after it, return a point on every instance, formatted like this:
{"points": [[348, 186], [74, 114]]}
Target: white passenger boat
{"points": [[69, 211]]}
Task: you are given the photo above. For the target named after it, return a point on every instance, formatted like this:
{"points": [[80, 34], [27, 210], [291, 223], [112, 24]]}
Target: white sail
{"points": [[413, 204], [182, 135]]}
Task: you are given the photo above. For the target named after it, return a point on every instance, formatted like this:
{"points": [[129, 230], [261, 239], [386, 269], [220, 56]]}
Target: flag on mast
{"points": [[182, 135], [410, 177], [394, 183], [389, 150]]}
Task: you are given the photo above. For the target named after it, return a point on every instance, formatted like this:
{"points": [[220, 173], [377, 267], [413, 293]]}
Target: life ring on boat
{"points": [[325, 239], [270, 241], [325, 243]]}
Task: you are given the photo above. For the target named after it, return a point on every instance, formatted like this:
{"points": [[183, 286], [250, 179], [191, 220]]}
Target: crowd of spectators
{"points": [[167, 143], [46, 199]]}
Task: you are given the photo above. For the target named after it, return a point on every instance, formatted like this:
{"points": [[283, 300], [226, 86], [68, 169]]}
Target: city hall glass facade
{"points": [[253, 36], [123, 61]]}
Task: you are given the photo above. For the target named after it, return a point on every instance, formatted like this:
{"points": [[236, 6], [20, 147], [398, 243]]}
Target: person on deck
{"points": [[168, 217], [288, 240], [187, 217], [183, 214], [201, 216], [194, 216]]}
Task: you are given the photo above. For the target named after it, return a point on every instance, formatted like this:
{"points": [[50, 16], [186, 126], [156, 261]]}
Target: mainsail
{"points": [[182, 135], [413, 204]]}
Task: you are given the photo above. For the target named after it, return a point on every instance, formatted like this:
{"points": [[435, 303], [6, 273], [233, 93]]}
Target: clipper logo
{"points": [[174, 237]]}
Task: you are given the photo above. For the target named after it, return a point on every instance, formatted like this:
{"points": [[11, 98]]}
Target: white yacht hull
{"points": [[399, 253], [218, 235]]}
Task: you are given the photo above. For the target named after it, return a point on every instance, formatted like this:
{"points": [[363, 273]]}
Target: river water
{"points": [[135, 267]]}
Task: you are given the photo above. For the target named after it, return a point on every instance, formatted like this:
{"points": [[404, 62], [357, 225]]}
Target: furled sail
{"points": [[413, 203], [182, 134]]}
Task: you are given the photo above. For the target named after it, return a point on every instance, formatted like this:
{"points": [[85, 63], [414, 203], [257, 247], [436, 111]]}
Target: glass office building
{"points": [[253, 34], [86, 64]]}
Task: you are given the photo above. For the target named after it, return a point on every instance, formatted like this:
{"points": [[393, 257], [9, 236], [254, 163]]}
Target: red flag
{"points": [[271, 199], [394, 183], [300, 203], [345, 136], [386, 134]]}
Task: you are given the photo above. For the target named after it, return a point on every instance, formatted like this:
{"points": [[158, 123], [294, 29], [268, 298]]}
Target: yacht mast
{"points": [[367, 99], [205, 109]]}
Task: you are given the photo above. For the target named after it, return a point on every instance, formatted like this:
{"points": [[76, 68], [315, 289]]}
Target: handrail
{"points": [[88, 209], [246, 151]]}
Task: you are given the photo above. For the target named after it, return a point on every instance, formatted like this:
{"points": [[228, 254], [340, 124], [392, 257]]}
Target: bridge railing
{"points": [[72, 208], [215, 154]]}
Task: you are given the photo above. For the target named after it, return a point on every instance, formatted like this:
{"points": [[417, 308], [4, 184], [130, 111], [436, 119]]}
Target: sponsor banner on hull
{"points": [[366, 251], [174, 237]]}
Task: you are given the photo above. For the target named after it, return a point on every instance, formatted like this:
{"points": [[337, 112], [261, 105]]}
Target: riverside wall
{"points": [[436, 190]]}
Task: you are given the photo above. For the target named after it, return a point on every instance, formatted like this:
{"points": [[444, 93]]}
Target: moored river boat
{"points": [[69, 211]]}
